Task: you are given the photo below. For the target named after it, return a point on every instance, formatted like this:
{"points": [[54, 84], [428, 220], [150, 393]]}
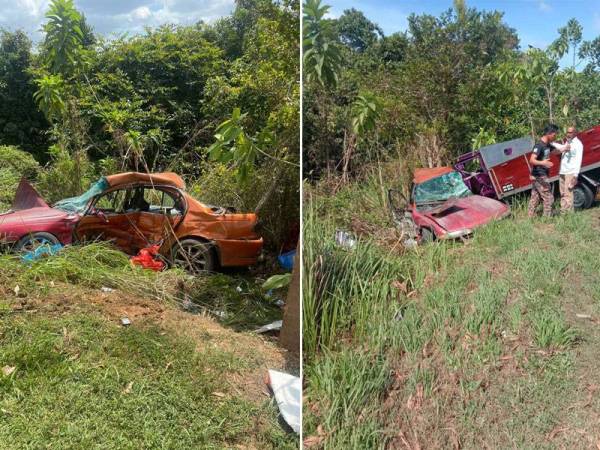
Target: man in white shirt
{"points": [[570, 164]]}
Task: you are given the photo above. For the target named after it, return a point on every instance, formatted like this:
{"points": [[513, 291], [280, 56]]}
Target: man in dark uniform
{"points": [[540, 168]]}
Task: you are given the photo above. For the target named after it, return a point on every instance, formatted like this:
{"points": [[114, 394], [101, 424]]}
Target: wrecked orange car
{"points": [[134, 210]]}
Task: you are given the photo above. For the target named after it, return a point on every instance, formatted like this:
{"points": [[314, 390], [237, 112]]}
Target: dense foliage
{"points": [[446, 85], [86, 105]]}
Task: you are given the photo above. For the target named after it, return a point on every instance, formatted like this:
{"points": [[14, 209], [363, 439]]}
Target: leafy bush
{"points": [[14, 165], [66, 176], [279, 215]]}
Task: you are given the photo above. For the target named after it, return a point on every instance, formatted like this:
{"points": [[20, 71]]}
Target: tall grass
{"points": [[355, 293]]}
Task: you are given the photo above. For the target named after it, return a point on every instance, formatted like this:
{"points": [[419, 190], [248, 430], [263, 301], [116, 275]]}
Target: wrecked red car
{"points": [[135, 210], [441, 207]]}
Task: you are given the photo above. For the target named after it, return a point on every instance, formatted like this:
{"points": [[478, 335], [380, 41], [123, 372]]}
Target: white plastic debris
{"points": [[239, 289], [273, 326], [288, 391], [106, 289], [345, 239], [125, 321], [279, 303], [583, 316]]}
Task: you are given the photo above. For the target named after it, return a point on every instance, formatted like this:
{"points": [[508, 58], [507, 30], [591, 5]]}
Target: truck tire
{"points": [[583, 197], [590, 196]]}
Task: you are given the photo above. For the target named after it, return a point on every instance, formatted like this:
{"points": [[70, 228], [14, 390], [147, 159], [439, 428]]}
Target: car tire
{"points": [[31, 241], [426, 236], [194, 256]]}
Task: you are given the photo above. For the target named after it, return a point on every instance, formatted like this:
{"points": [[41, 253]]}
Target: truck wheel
{"points": [[590, 196], [583, 196]]}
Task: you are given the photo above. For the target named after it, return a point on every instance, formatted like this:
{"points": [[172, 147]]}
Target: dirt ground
{"points": [[260, 352]]}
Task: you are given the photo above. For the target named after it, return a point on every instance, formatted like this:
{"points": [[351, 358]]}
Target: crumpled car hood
{"points": [[27, 197], [467, 213]]}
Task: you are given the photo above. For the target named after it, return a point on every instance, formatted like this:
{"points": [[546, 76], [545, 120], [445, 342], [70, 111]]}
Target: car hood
{"points": [[38, 214], [470, 212]]}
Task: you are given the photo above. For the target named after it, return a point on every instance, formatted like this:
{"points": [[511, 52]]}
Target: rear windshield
{"points": [[441, 188]]}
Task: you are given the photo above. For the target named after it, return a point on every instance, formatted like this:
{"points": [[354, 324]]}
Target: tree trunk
{"points": [[290, 330]]}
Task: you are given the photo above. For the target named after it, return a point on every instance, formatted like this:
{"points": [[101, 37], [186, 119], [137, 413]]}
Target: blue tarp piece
{"points": [[78, 205], [441, 188], [286, 260], [42, 250]]}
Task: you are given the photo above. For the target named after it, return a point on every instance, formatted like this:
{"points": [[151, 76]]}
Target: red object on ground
{"points": [[147, 258]]}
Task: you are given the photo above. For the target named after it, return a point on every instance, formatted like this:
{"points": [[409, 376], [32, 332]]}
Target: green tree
{"points": [[322, 57], [356, 31]]}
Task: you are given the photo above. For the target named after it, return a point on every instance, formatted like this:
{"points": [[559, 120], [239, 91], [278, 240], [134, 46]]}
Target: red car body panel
{"points": [[16, 224], [457, 216]]}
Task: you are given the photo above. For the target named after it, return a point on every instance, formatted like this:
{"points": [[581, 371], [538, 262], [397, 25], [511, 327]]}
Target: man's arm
{"points": [[561, 147], [536, 162]]}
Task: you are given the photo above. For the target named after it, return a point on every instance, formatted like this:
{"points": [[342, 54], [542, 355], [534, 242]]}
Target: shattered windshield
{"points": [[79, 204], [441, 188]]}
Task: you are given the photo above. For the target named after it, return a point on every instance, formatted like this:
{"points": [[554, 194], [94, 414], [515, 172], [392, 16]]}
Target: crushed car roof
{"points": [[164, 178], [424, 174]]}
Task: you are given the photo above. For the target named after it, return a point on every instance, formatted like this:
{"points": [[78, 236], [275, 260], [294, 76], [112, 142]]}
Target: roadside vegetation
{"points": [[218, 104], [73, 375], [487, 343]]}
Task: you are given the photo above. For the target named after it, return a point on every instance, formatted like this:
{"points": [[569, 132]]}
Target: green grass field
{"points": [[491, 343], [73, 377]]}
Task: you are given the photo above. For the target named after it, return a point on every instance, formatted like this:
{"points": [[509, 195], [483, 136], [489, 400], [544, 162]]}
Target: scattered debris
{"points": [[273, 326], [106, 289], [218, 394], [239, 289], [127, 389], [125, 321], [286, 260], [148, 258], [287, 390], [345, 239], [41, 251], [279, 303], [16, 290], [220, 314], [398, 316], [583, 316], [8, 370]]}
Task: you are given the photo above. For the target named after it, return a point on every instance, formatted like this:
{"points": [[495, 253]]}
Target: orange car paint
{"points": [[232, 234]]}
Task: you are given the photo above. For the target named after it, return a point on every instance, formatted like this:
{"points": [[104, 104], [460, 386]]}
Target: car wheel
{"points": [[194, 256], [31, 241], [426, 235]]}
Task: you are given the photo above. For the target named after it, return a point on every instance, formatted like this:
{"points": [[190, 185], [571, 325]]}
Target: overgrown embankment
{"points": [[73, 376], [492, 343]]}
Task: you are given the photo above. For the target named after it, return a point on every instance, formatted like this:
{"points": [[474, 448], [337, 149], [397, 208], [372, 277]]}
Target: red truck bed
{"points": [[508, 162]]}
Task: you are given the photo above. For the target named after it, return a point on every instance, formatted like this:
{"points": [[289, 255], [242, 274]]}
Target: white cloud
{"points": [[543, 6], [141, 13]]}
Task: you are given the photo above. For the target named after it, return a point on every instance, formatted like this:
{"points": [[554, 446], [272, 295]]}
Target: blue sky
{"points": [[536, 21]]}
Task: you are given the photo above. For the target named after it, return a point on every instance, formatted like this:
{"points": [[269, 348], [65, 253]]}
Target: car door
{"points": [[108, 219], [160, 210]]}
